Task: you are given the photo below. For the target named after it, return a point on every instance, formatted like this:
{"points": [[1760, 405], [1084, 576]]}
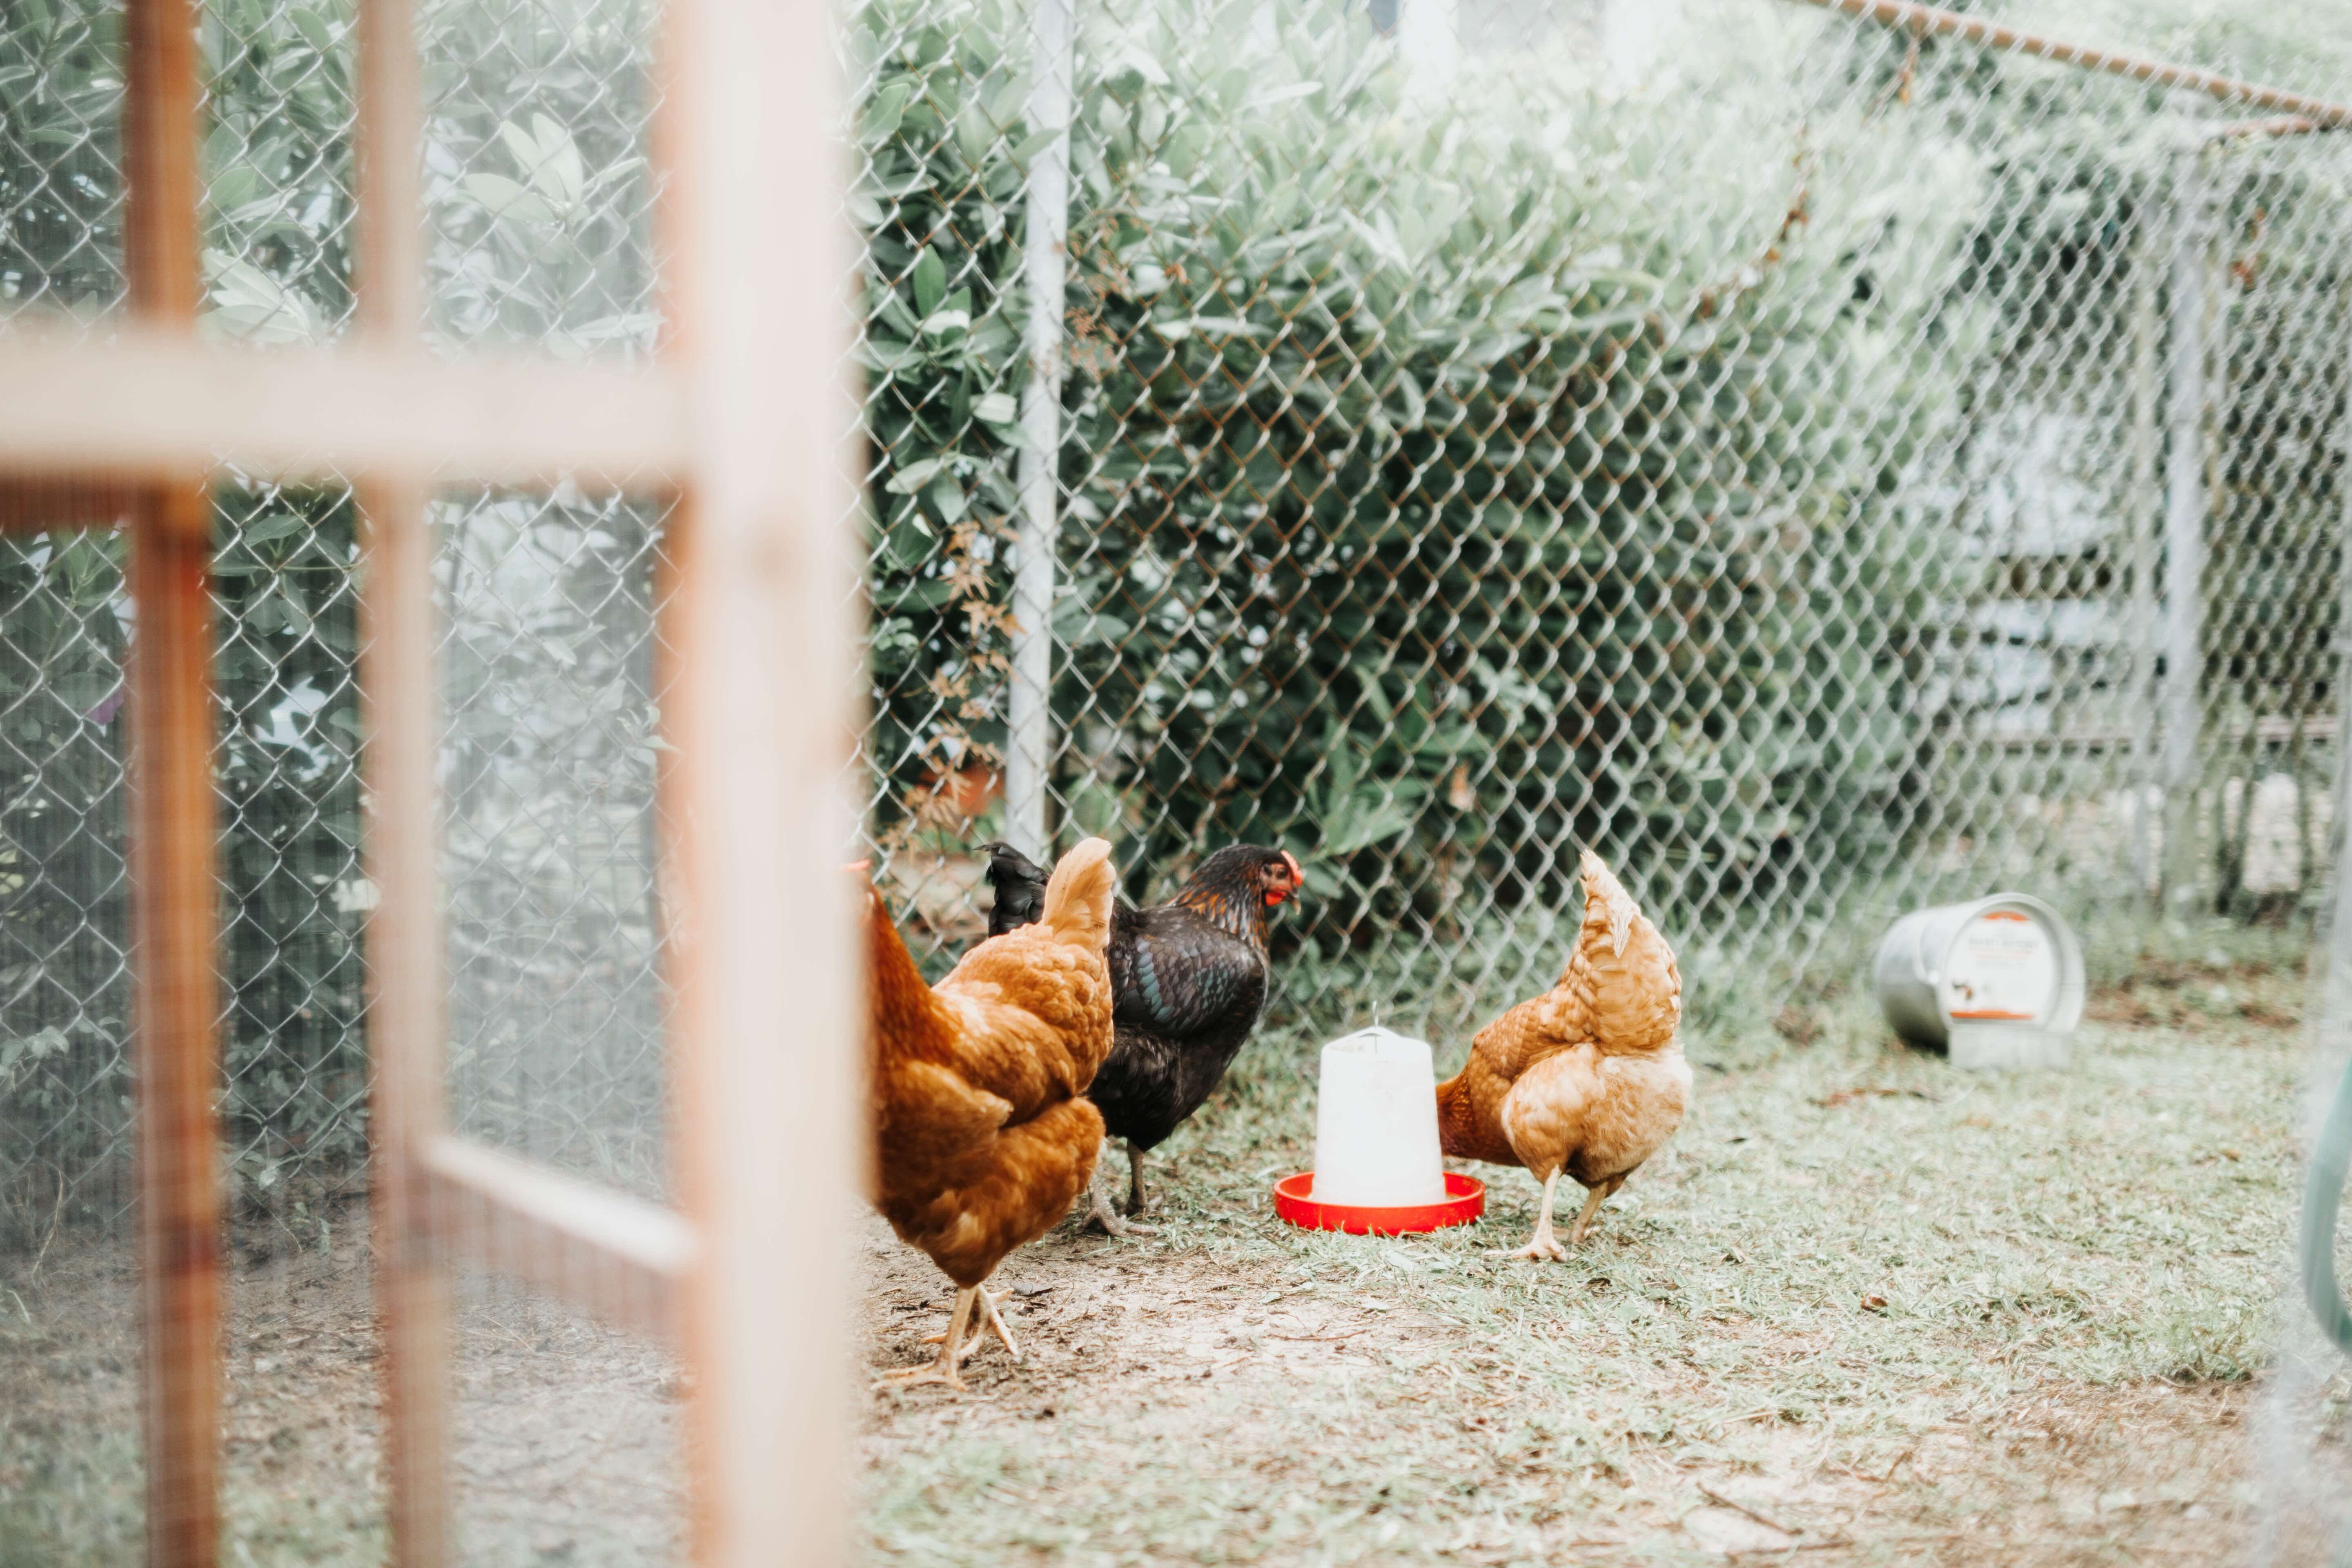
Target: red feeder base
{"points": [[1465, 1200]]}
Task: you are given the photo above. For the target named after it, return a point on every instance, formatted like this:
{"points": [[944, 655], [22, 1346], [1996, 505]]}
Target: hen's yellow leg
{"points": [[953, 1348], [991, 1303], [1541, 1248], [1592, 1201], [983, 1320]]}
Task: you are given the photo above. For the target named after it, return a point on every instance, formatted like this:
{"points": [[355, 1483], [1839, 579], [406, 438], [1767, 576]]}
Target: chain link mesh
{"points": [[1838, 470], [1857, 468], [1467, 456], [539, 215]]}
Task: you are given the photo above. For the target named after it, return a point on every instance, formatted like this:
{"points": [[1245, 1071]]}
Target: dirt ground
{"points": [[1403, 1432], [1197, 1410], [563, 1446], [1864, 1310]]}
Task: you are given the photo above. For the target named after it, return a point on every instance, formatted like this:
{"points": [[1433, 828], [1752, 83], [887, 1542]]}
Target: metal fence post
{"points": [[1029, 741], [2184, 528], [2141, 509]]}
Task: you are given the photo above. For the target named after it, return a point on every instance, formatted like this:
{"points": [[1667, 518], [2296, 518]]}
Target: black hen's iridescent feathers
{"points": [[1020, 886], [1176, 975], [1189, 978]]}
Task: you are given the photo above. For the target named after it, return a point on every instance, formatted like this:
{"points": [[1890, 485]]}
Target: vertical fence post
{"points": [[2338, 951], [176, 924], [399, 697], [1029, 746], [2141, 509], [175, 896], [2184, 527]]}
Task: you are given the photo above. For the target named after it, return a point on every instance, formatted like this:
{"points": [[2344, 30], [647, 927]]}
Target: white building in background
{"points": [[1633, 40]]}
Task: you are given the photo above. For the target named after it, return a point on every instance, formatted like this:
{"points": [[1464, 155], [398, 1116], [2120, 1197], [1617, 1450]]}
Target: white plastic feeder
{"points": [[1997, 983], [1377, 1166], [1376, 1123]]}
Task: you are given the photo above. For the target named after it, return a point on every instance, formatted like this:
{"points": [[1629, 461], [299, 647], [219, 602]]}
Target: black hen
{"points": [[1020, 884], [1188, 978]]}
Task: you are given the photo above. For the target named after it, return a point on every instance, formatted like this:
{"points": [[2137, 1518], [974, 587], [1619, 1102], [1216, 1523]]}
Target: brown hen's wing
{"points": [[1470, 1103], [976, 1211], [1546, 1116], [1031, 1008]]}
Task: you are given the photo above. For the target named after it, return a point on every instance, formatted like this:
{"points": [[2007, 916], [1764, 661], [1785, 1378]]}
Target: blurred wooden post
{"points": [[400, 694], [175, 920], [175, 900], [1029, 708], [764, 973], [2184, 529]]}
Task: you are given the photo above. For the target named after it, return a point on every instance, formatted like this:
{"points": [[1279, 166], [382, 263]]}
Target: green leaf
{"points": [[274, 526], [885, 109], [1030, 146], [930, 281], [315, 30], [914, 476], [505, 198], [947, 499]]}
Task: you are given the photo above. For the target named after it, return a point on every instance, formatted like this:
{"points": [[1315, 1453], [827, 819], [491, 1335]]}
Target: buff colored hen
{"points": [[982, 1133], [1587, 1077]]}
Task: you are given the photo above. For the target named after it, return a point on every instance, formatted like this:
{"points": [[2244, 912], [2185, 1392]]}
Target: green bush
{"points": [[1446, 490]]}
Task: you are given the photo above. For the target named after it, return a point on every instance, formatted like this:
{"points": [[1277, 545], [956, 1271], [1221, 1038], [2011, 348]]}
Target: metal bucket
{"points": [[1996, 982]]}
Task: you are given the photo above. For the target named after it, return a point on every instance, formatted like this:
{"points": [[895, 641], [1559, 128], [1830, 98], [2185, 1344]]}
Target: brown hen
{"points": [[1585, 1079], [982, 1139]]}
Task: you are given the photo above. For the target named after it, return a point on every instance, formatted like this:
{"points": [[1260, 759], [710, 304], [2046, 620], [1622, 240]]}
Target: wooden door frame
{"points": [[743, 423]]}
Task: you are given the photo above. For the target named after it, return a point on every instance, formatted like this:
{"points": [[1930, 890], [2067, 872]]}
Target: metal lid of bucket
{"points": [[2008, 962]]}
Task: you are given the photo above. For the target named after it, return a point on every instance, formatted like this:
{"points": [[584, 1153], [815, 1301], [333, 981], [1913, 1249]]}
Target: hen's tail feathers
{"points": [[902, 1012], [1452, 1117], [1607, 905], [1079, 897]]}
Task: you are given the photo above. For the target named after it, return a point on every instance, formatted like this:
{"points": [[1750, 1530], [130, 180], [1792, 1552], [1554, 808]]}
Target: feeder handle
{"points": [[2323, 1198]]}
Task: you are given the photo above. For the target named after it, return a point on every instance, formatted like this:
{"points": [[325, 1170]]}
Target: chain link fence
{"points": [[541, 210], [1849, 467]]}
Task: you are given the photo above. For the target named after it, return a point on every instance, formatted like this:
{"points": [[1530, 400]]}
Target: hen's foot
{"points": [[940, 1371], [1103, 1215], [1107, 1219], [1541, 1248], [953, 1348], [1544, 1249], [990, 1318], [990, 1305]]}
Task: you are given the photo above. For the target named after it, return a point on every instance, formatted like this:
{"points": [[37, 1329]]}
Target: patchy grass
{"points": [[1863, 1306], [563, 1442]]}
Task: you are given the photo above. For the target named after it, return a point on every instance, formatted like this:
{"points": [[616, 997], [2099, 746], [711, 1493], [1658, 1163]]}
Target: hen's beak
{"points": [[1297, 882], [859, 868]]}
